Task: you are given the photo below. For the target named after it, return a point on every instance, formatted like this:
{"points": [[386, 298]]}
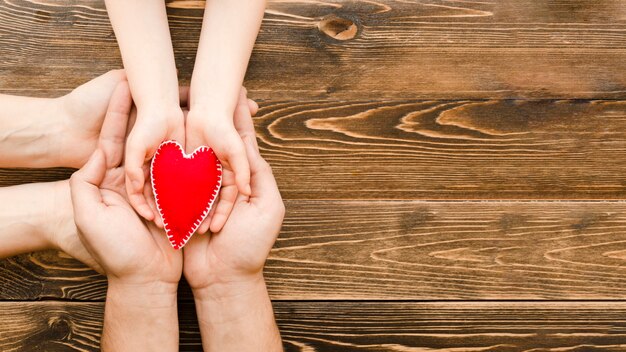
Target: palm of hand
{"points": [[132, 247], [239, 250]]}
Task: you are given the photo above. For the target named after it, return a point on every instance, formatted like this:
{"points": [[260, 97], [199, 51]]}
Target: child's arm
{"points": [[143, 36], [229, 30], [38, 132]]}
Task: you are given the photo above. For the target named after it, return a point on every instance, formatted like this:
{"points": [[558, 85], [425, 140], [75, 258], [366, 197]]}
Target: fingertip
{"points": [[217, 223], [204, 227], [253, 106], [146, 212], [92, 169]]}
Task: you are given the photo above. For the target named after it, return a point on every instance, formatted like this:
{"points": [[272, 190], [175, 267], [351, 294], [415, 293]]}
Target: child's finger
{"points": [[228, 196], [147, 193], [85, 186], [135, 157], [204, 227], [113, 133]]}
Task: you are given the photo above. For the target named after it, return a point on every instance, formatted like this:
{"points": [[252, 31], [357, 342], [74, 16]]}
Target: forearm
{"points": [[140, 318], [30, 213], [143, 36], [29, 127], [226, 41], [237, 319]]}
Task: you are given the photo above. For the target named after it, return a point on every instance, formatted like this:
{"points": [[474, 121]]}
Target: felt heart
{"points": [[185, 187]]}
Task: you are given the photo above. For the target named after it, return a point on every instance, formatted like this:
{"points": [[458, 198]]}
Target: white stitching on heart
{"points": [[211, 201]]}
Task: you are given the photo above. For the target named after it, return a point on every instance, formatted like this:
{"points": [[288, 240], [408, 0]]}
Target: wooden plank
{"points": [[446, 149], [355, 326], [406, 250], [386, 48], [436, 150]]}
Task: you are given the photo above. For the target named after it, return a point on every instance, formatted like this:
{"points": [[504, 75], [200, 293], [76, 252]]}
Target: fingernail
{"points": [[248, 190]]}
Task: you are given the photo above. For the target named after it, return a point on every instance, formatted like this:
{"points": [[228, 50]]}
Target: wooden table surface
{"points": [[454, 172]]}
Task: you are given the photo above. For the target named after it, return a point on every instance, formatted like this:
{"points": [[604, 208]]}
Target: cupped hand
{"points": [[218, 132], [83, 111], [237, 253], [153, 125], [229, 191], [127, 248]]}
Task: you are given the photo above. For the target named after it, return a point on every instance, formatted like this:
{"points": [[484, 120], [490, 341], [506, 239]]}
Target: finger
{"points": [[113, 133], [149, 195], [204, 227], [84, 186], [239, 164], [135, 157], [228, 196], [262, 180], [253, 106], [243, 120]]}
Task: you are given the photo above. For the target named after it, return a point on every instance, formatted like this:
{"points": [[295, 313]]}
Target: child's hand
{"points": [[221, 135], [82, 112], [127, 249], [152, 127], [234, 257]]}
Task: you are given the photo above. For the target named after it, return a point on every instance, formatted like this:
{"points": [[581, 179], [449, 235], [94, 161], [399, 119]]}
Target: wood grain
{"points": [[355, 326], [436, 150], [502, 149], [406, 250], [351, 49]]}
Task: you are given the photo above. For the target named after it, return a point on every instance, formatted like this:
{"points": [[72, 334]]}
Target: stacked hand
{"points": [[91, 218], [142, 268]]}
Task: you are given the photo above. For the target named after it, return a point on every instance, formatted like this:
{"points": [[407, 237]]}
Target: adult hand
{"points": [[82, 112], [225, 269], [220, 134], [238, 251], [128, 249]]}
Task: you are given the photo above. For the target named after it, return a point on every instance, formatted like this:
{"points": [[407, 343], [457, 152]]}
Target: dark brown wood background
{"points": [[453, 172]]}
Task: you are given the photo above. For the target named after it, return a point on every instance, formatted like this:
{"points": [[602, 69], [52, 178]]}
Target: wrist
{"points": [[143, 295], [140, 317], [229, 303], [38, 132], [159, 111], [210, 112], [59, 215], [229, 288]]}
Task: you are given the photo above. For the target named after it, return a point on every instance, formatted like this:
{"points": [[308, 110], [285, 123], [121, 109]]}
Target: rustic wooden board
{"points": [[406, 250], [503, 149], [446, 150], [355, 326], [389, 48]]}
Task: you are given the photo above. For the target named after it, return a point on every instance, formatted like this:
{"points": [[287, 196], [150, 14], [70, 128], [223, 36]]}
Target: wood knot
{"points": [[337, 27], [60, 329]]}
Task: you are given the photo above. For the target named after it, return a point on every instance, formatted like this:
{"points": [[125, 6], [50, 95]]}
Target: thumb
{"points": [[262, 180], [85, 186]]}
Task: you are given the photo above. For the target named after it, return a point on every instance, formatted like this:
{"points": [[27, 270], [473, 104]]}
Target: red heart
{"points": [[185, 187]]}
